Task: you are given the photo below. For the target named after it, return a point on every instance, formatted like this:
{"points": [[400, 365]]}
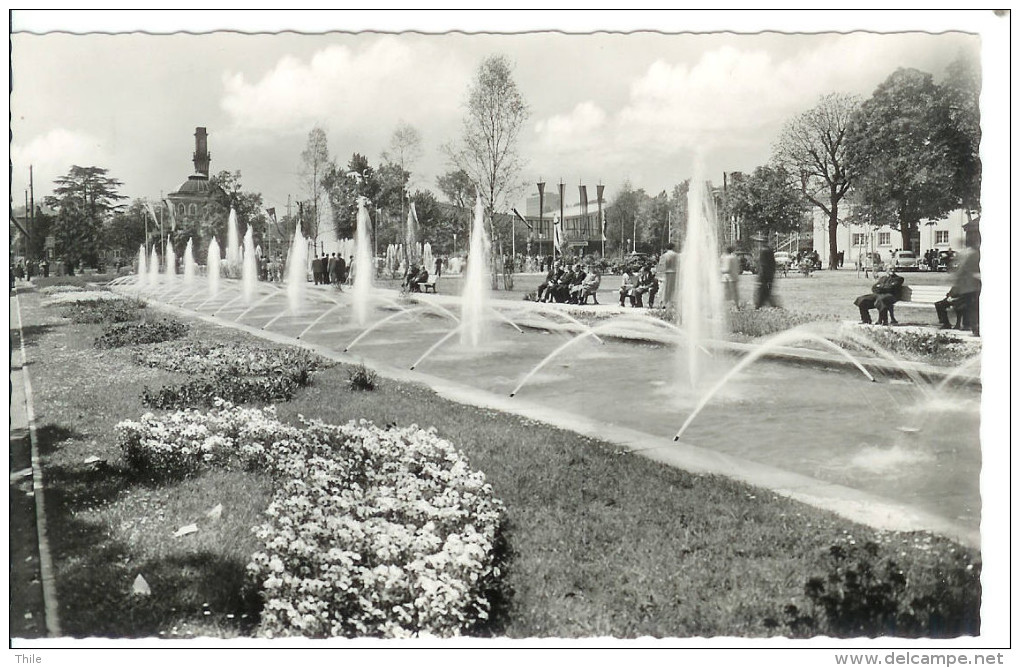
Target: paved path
{"points": [[32, 603]]}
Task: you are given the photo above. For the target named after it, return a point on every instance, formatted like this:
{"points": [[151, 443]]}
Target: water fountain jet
{"points": [[476, 288], [363, 268], [143, 274], [233, 243], [297, 272], [249, 268], [213, 267], [700, 305]]}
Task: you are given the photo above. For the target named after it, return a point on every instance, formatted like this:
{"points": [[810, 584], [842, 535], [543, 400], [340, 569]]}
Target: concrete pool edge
{"points": [[849, 503]]}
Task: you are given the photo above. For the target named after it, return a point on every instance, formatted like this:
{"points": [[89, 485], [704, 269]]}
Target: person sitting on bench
{"points": [[560, 292], [646, 284], [589, 287], [884, 293], [627, 287], [421, 277], [550, 280], [965, 294], [574, 291], [410, 278]]}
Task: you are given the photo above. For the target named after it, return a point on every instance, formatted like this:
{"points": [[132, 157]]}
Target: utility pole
{"points": [[28, 229], [31, 200]]}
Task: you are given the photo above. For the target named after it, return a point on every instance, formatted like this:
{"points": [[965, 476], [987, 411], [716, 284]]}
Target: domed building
{"points": [[199, 205]]}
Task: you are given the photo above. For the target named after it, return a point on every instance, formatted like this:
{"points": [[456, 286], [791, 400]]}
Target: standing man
{"points": [[667, 267], [730, 276], [331, 270], [439, 265], [341, 272], [766, 275]]}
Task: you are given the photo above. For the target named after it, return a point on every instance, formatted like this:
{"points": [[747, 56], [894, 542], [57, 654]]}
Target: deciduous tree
{"points": [[488, 150], [314, 165], [901, 140], [766, 202], [813, 148]]}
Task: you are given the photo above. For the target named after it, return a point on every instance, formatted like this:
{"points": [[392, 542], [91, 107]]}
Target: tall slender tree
{"points": [[813, 148], [314, 164], [495, 112]]}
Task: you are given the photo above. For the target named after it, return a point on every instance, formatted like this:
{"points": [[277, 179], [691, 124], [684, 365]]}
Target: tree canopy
{"points": [[813, 149], [766, 202], [314, 165], [902, 139], [84, 197], [488, 151]]}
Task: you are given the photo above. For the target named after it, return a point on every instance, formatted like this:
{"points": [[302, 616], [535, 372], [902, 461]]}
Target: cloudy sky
{"points": [[609, 107]]}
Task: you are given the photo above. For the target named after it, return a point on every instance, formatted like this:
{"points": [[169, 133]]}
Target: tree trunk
{"points": [[906, 232], [833, 228]]}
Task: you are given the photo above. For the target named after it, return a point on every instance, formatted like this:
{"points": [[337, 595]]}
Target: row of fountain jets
{"points": [[699, 289], [243, 256]]}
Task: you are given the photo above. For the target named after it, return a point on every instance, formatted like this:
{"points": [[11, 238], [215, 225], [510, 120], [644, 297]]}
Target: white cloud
{"points": [[728, 99], [582, 125], [378, 85], [51, 155]]}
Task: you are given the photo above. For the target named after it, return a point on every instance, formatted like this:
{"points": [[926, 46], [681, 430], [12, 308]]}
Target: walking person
{"points": [[766, 275]]}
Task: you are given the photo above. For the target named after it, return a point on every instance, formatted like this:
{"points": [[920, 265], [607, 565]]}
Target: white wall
{"points": [[952, 224]]}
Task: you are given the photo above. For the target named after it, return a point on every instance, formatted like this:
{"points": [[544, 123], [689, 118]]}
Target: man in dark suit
{"points": [[422, 276]]}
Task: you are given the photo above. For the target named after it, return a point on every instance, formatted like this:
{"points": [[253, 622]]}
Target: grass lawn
{"points": [[600, 545]]}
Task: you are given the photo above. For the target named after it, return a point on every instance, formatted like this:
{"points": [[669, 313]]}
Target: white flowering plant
{"points": [[79, 296], [371, 532]]}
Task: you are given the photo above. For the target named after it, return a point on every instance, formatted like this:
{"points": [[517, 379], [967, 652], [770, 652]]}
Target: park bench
{"points": [[429, 283], [921, 296]]}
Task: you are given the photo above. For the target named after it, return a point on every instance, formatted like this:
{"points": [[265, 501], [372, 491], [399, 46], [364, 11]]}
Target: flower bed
{"points": [[104, 310], [238, 373], [79, 296], [371, 532], [922, 344], [57, 289], [146, 331]]}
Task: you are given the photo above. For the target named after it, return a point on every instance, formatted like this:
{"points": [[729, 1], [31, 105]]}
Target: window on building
{"points": [[942, 236], [885, 238], [180, 209], [859, 239], [193, 209]]}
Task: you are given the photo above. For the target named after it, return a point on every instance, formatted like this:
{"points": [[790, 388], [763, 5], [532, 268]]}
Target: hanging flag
{"points": [[557, 237], [583, 190], [152, 212], [173, 216], [272, 214], [521, 218], [604, 223]]}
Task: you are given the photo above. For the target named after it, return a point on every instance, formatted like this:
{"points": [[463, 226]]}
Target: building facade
{"points": [[198, 204], [856, 241]]}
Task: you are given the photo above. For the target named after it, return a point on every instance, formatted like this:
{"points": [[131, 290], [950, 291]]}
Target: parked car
{"points": [[782, 257], [947, 260], [904, 260]]}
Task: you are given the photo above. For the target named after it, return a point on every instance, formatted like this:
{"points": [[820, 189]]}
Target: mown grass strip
{"points": [[600, 545]]}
